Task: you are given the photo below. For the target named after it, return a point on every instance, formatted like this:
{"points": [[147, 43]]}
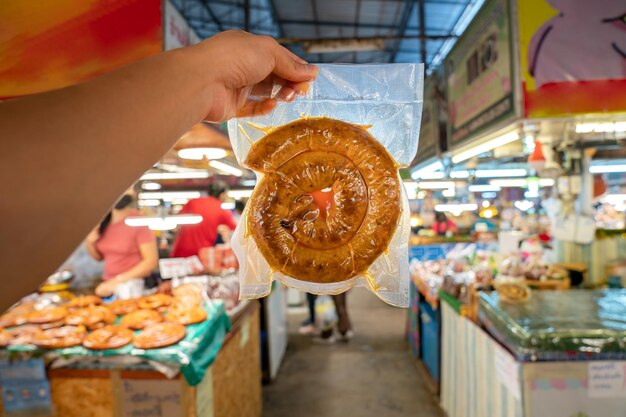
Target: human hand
{"points": [[245, 65], [106, 288]]}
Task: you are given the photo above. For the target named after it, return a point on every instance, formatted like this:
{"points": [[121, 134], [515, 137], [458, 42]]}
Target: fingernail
{"points": [[311, 68], [290, 96]]}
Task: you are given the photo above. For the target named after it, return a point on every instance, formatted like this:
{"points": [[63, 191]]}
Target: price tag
{"points": [[607, 379], [151, 398]]}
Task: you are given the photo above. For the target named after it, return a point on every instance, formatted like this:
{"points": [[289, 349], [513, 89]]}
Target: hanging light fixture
{"points": [[198, 154], [537, 160]]}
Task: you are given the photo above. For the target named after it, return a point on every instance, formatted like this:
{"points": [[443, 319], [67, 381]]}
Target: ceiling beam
{"points": [[274, 14], [363, 38], [207, 7], [404, 21], [422, 25]]}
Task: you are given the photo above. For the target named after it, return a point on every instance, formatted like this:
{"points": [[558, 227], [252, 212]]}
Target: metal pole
{"points": [[246, 15]]}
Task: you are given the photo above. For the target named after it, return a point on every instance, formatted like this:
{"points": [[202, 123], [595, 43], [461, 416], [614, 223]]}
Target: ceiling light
{"points": [[500, 173], [342, 45], [439, 185], [489, 194], [456, 209], [248, 183], [428, 170], [601, 127], [459, 174], [229, 205], [524, 205], [606, 169], [175, 175], [149, 203], [151, 186], [159, 221], [198, 154], [226, 168], [239, 194], [450, 192], [430, 176], [485, 147], [170, 195], [509, 183], [478, 188], [546, 182]]}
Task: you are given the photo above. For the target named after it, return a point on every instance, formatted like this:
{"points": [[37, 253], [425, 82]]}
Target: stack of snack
{"points": [[85, 320]]}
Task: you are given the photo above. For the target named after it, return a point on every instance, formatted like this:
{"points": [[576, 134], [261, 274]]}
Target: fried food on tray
{"points": [[83, 301], [155, 302], [187, 294], [186, 315], [121, 307], [46, 315], [139, 319], [59, 338], [109, 337], [160, 335], [92, 317]]}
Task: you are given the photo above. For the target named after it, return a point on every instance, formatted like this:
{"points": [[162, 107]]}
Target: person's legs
{"points": [[308, 325], [344, 325]]}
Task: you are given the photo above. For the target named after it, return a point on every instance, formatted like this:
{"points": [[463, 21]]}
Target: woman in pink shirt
{"points": [[128, 252]]}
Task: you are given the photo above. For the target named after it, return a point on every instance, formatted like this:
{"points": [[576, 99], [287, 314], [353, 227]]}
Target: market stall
{"points": [[558, 354], [89, 357]]}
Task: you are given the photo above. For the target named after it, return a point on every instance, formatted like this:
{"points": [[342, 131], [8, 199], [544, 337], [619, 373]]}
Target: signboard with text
{"points": [[479, 73]]}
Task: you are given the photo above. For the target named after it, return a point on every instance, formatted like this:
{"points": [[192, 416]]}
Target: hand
{"points": [[243, 64], [106, 288]]}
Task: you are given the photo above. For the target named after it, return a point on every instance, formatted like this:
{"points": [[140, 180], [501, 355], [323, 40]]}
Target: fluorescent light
{"points": [[489, 194], [546, 182], [606, 169], [343, 45], [500, 173], [450, 192], [170, 195], [524, 205], [485, 147], [229, 205], [175, 175], [179, 201], [149, 203], [228, 169], [440, 185], [456, 209], [239, 194], [601, 127], [430, 176], [198, 154], [151, 186], [248, 183], [428, 170], [482, 188], [459, 174], [158, 221], [509, 183], [615, 199]]}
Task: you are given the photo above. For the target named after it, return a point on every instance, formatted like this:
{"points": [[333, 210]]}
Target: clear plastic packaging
{"points": [[329, 211]]}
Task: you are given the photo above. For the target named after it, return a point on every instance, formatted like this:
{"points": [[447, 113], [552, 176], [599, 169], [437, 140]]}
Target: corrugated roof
{"points": [[398, 21]]}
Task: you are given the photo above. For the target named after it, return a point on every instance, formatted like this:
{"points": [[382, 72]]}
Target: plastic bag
{"points": [[386, 102]]}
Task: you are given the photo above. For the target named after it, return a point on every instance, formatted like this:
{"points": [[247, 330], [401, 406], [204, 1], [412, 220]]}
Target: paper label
{"points": [[245, 333], [151, 398], [507, 370], [180, 267], [607, 379]]}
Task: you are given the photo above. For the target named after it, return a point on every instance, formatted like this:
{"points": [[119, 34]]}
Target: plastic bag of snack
{"points": [[329, 211]]}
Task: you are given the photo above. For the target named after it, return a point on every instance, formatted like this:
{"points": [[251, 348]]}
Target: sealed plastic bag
{"points": [[329, 211]]}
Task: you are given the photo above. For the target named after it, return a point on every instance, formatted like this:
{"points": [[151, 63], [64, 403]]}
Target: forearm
{"points": [[141, 270], [119, 124]]}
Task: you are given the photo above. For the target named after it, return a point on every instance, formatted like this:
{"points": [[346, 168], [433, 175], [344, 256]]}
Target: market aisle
{"points": [[373, 375]]}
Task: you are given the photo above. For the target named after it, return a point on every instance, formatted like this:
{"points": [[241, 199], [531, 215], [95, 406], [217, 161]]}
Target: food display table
{"points": [[577, 348], [214, 378]]}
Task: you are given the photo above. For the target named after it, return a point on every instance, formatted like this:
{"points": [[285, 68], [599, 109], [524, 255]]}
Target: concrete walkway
{"points": [[371, 376]]}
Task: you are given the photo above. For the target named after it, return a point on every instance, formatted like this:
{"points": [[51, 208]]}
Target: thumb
{"points": [[290, 67]]}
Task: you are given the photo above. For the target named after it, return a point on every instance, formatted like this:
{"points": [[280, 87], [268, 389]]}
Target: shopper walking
{"points": [[120, 123]]}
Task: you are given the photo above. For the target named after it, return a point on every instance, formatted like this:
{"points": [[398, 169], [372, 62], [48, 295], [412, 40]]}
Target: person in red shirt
{"points": [[128, 252], [443, 226], [193, 237]]}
